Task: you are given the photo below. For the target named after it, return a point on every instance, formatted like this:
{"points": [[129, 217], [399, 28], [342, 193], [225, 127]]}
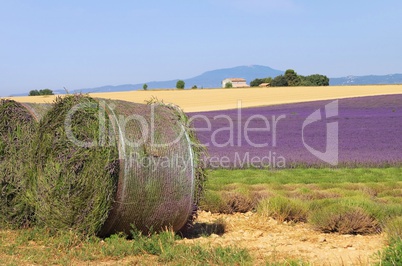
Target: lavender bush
{"points": [[369, 134]]}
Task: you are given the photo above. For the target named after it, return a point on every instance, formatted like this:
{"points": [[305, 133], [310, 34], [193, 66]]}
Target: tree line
{"points": [[292, 79], [40, 92]]}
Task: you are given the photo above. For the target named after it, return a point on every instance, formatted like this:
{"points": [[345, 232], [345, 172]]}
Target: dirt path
{"points": [[267, 240]]}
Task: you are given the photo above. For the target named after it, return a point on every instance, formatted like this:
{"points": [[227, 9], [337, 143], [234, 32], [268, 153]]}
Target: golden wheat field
{"points": [[222, 99]]}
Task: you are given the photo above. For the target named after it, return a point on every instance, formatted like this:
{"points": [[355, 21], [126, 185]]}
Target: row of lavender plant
{"points": [[368, 132]]}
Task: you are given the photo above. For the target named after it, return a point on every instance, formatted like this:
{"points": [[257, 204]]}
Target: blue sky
{"points": [[84, 44]]}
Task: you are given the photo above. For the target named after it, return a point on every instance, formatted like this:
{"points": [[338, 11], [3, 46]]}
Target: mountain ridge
{"points": [[208, 79], [367, 80], [213, 78]]}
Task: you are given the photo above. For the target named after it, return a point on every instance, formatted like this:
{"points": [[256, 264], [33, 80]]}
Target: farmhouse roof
{"points": [[264, 84], [237, 79]]}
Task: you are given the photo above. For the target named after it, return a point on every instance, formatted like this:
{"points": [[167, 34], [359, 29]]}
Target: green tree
{"points": [[145, 87], [279, 81], [40, 92], [46, 92], [34, 93], [194, 87], [267, 80], [305, 81], [256, 82], [318, 80], [180, 84], [228, 85], [292, 78]]}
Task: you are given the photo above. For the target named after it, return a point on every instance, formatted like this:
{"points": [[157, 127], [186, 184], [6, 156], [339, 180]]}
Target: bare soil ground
{"points": [[267, 240]]}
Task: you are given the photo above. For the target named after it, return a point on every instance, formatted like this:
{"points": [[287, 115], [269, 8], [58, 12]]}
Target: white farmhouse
{"points": [[236, 82]]}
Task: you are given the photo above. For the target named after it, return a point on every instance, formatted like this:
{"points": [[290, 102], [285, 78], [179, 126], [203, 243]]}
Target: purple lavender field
{"points": [[368, 133]]}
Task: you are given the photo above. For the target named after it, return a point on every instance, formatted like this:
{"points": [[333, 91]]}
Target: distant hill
{"points": [[213, 79], [367, 80], [209, 79]]}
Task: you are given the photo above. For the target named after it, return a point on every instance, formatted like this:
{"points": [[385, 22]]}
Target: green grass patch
{"points": [[356, 201], [392, 255], [39, 246], [393, 228], [289, 263], [222, 177], [283, 209]]}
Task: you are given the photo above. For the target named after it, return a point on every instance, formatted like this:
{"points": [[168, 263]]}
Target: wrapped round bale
{"points": [[18, 125], [105, 166]]}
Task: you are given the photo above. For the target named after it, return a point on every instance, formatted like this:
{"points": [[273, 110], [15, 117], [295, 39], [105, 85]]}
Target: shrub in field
{"points": [[344, 220], [228, 202], [213, 202], [283, 209], [237, 202], [18, 125], [105, 165], [374, 209], [393, 228], [310, 195], [392, 210]]}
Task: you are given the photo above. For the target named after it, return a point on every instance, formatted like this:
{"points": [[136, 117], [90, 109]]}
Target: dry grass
{"points": [[222, 99], [344, 220], [237, 202]]}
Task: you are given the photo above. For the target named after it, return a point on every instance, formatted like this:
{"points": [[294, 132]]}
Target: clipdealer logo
{"points": [[331, 153]]}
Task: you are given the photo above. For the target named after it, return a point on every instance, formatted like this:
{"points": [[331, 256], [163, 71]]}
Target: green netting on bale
{"points": [[158, 176], [141, 172], [198, 151], [18, 125], [76, 176]]}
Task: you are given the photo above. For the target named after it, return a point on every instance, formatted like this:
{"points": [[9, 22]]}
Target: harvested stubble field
{"points": [[302, 216], [223, 99]]}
